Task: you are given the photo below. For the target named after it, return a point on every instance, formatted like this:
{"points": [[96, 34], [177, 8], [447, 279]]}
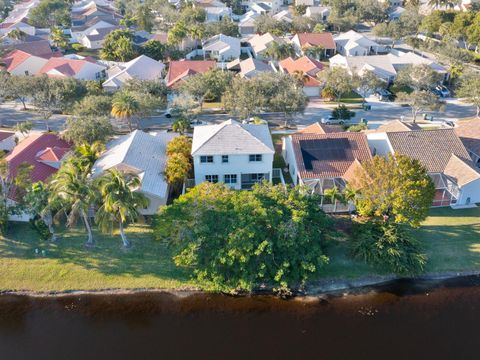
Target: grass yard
{"points": [[450, 239], [69, 265]]}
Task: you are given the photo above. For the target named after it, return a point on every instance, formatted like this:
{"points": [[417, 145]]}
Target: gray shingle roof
{"points": [[231, 137]]}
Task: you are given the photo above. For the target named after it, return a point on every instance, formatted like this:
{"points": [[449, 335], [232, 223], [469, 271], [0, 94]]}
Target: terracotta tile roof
{"points": [[27, 150], [433, 148], [68, 67], [353, 173], [317, 39], [182, 68], [52, 154], [329, 155], [397, 125], [14, 59], [305, 64], [39, 48], [318, 128], [461, 172], [469, 132]]}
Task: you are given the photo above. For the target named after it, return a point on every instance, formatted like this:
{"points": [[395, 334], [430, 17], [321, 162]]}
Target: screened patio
{"points": [[446, 191]]}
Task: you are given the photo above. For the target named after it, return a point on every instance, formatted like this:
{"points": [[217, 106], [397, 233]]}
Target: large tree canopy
{"points": [[233, 241]]}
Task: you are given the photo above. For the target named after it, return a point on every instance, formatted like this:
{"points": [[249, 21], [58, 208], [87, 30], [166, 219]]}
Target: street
{"points": [[381, 112]]}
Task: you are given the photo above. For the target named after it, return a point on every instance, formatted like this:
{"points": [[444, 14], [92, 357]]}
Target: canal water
{"points": [[402, 320]]}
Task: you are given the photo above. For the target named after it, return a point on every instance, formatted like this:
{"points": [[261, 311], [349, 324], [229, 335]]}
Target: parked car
{"points": [[168, 113], [331, 120], [383, 95], [198, 123], [444, 92]]}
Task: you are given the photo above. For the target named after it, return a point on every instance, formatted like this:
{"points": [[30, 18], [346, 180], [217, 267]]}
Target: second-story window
{"points": [[224, 158], [255, 157], [206, 159], [211, 178]]}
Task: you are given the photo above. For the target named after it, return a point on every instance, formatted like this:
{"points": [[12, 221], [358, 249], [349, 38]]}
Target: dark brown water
{"points": [[400, 321]]}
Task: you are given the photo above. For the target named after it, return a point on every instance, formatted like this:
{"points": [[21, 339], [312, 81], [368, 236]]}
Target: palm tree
{"points": [[280, 50], [316, 52], [334, 195], [349, 195], [87, 154], [59, 38], [73, 190], [300, 76], [125, 106], [181, 125], [119, 202]]}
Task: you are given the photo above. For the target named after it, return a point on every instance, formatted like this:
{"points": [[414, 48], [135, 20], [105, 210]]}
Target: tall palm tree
{"points": [[280, 50], [119, 201], [316, 52], [125, 106], [73, 190], [300, 76], [87, 154]]}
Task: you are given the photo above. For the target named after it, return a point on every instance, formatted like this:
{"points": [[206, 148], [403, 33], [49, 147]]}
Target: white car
{"points": [[331, 120]]}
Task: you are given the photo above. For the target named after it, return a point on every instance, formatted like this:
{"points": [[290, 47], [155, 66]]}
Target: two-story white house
{"points": [[238, 155]]}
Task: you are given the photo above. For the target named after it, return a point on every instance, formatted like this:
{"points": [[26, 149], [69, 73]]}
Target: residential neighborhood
{"points": [[237, 147]]}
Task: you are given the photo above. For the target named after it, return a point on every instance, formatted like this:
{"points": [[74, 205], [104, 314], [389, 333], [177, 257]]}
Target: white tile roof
{"points": [[142, 153], [231, 137]]}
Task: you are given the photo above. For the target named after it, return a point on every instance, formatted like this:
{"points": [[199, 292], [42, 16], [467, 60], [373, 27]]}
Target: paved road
{"points": [[381, 112]]}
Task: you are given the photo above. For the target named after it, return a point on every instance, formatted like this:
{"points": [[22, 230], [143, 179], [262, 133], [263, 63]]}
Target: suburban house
{"points": [[78, 32], [321, 159], [318, 12], [246, 25], [352, 43], [307, 67], [260, 43], [91, 10], [386, 66], [250, 67], [7, 140], [236, 154], [181, 69], [217, 13], [21, 25], [19, 62], [222, 48], [262, 8], [304, 2], [143, 154], [441, 151], [469, 133], [94, 38], [44, 152], [284, 15], [141, 68], [324, 40], [75, 67]]}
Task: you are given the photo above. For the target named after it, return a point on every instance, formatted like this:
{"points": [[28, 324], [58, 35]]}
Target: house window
{"points": [[206, 159], [27, 73], [257, 177], [230, 179], [224, 158], [255, 157], [211, 178]]}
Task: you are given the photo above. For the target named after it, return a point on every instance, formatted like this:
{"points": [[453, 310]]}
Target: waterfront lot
{"points": [[451, 240]]}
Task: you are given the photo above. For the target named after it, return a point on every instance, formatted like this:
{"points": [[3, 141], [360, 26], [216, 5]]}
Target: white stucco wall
{"points": [[237, 164], [379, 144], [470, 190], [289, 157]]}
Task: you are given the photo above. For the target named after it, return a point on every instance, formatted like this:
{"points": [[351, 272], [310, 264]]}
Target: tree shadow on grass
{"points": [[146, 257]]}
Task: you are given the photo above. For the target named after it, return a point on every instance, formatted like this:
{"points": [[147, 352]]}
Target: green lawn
{"points": [[450, 239], [69, 265]]}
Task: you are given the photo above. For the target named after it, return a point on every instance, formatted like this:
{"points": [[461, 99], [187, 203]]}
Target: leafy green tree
{"points": [[181, 125], [238, 241], [154, 49], [119, 46], [15, 87], [185, 106], [180, 145], [267, 24], [419, 101], [343, 113], [177, 33], [396, 188], [265, 92], [226, 27], [470, 89], [24, 127], [36, 203], [338, 81], [93, 105], [87, 129], [179, 160], [50, 13], [144, 18], [367, 83], [208, 86], [418, 77], [119, 202]]}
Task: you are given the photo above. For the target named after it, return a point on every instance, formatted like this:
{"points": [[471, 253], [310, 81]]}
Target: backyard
{"points": [[451, 240]]}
